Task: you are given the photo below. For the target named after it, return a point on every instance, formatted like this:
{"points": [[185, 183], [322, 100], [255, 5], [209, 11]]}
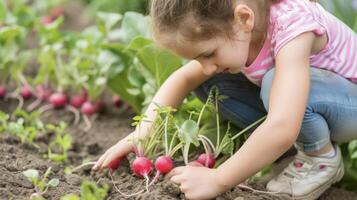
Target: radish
{"points": [[2, 92], [58, 99], [46, 20], [26, 92], [142, 166], [207, 161], [117, 101], [164, 164], [42, 92], [89, 108], [114, 164], [78, 100]]}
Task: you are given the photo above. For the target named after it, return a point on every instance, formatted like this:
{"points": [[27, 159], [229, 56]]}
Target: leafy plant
{"points": [[25, 133], [3, 121], [41, 184], [344, 10], [145, 66], [62, 142], [89, 191]]}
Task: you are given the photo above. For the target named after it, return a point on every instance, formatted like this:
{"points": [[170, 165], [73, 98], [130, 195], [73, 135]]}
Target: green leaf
{"points": [[109, 19], [188, 132], [133, 91], [352, 146], [227, 144], [160, 63], [354, 155], [70, 197], [31, 174], [53, 182], [133, 25], [3, 11], [139, 43], [90, 191]]}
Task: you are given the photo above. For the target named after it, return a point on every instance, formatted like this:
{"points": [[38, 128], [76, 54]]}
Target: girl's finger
{"points": [[175, 171], [177, 179], [112, 156], [98, 164]]}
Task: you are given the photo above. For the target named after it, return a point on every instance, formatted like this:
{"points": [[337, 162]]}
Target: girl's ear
{"points": [[244, 17]]}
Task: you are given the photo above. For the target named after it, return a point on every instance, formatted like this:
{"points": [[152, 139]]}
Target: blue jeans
{"points": [[331, 113]]}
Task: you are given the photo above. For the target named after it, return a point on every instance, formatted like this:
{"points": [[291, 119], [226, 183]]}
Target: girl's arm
{"points": [[288, 100], [175, 89], [171, 93]]}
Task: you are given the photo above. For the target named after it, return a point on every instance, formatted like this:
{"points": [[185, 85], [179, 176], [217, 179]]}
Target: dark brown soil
{"points": [[107, 129]]}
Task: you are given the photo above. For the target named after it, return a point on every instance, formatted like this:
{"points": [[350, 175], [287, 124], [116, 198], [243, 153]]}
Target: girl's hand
{"points": [[197, 182], [114, 153]]}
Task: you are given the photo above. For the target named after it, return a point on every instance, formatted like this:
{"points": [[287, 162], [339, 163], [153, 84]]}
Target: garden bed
{"points": [[108, 128]]}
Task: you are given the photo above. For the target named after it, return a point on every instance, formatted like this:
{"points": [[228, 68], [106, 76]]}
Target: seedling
{"points": [[89, 191], [19, 129], [62, 142], [41, 184]]}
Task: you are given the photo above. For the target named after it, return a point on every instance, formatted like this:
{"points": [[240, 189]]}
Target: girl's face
{"points": [[219, 54]]}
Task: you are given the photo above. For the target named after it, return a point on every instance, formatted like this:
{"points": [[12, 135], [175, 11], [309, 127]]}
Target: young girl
{"points": [[298, 63]]}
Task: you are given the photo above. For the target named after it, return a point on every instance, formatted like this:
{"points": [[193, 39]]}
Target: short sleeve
{"points": [[290, 25]]}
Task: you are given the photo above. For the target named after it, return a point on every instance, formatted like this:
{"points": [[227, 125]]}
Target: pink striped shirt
{"points": [[290, 18]]}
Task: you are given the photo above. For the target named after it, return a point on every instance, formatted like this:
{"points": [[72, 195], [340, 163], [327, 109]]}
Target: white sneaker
{"points": [[308, 177]]}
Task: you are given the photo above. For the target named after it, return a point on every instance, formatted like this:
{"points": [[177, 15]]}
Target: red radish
{"points": [[58, 99], [42, 92], [117, 101], [207, 161], [89, 108], [114, 164], [2, 92], [78, 100], [46, 20], [142, 166], [26, 92], [164, 164]]}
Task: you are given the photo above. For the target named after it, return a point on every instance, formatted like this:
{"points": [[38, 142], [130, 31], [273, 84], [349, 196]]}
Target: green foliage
{"points": [[146, 66], [89, 191], [3, 121], [41, 184], [345, 10], [119, 6], [62, 142]]}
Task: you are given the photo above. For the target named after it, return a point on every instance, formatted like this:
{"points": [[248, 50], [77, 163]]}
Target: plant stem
{"points": [[249, 127], [217, 120], [209, 142], [166, 140]]}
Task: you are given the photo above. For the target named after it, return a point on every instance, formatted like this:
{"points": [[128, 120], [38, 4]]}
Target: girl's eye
{"points": [[209, 55]]}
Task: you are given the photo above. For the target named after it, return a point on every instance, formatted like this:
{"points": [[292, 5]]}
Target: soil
{"points": [[108, 128]]}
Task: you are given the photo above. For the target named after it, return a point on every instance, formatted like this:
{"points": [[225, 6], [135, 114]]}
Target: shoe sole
{"points": [[318, 192]]}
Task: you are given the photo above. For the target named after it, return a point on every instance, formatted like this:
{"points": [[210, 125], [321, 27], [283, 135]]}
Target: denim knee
{"points": [[242, 105], [331, 107]]}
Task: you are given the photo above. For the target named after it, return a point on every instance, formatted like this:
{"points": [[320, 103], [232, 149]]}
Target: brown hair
{"points": [[193, 19]]}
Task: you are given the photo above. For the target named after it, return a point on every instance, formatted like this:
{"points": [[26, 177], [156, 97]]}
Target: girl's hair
{"points": [[194, 19]]}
